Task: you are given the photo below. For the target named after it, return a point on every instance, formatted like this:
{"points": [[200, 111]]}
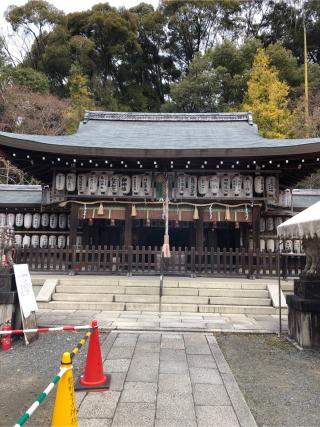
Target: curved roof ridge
{"points": [[168, 117]]}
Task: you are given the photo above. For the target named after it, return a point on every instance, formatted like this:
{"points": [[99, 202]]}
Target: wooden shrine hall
{"points": [[108, 190]]}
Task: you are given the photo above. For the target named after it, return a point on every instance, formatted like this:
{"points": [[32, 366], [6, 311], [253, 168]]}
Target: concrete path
{"points": [[165, 380], [181, 322]]}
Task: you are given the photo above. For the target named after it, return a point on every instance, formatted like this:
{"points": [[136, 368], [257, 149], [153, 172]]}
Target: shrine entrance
{"points": [[224, 235]]}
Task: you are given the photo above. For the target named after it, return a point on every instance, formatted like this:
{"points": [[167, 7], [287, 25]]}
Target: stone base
{"points": [[304, 321], [7, 282]]}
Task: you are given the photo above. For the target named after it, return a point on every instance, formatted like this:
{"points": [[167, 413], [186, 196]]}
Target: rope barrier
{"points": [[82, 342], [55, 329], [40, 398]]}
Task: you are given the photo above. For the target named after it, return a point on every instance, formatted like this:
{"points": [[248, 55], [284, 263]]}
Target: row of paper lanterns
{"points": [[185, 185], [35, 220], [44, 241], [270, 223], [290, 246]]}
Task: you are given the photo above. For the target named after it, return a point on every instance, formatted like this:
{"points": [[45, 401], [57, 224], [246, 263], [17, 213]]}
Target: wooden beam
{"points": [[127, 240], [256, 211], [73, 224]]}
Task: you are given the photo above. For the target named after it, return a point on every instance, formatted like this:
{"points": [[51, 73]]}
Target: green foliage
{"points": [[80, 96], [267, 98], [27, 77]]}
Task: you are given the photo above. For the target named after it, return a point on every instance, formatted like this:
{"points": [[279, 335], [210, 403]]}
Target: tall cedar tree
{"points": [[267, 98]]}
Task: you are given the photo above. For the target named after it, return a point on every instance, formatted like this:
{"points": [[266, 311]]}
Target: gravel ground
{"points": [[280, 383], [26, 370]]}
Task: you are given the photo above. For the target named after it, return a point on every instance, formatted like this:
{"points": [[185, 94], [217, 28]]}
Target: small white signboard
{"points": [[27, 298]]}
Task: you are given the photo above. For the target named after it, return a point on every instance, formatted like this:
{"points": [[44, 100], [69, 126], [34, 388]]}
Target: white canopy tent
{"points": [[305, 224]]}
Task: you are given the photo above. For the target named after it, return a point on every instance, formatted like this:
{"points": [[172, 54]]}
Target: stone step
{"points": [[237, 309], [240, 301], [81, 305], [101, 289], [180, 299], [236, 293], [106, 298], [83, 297]]}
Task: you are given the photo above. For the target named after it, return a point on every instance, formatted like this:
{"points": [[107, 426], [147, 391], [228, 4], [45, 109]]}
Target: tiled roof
{"points": [[20, 195]]}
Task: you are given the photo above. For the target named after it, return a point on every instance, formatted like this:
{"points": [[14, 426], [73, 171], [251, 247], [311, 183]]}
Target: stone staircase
{"points": [[119, 293]]}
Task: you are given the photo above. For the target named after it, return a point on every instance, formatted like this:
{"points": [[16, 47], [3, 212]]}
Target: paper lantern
{"points": [[26, 241], [287, 198], [281, 199], [92, 183], [181, 185], [62, 221], [35, 241], [236, 184], [82, 183], [125, 184], [3, 219], [251, 244], [248, 185], [45, 220], [60, 181], [146, 185], [270, 245], [61, 242], [262, 225], [36, 221], [71, 182], [225, 185], [288, 246], [19, 220], [271, 185], [53, 221], [103, 183], [52, 241], [18, 240], [269, 223], [203, 185], [192, 185], [27, 221], [114, 184], [262, 245], [43, 241], [136, 184], [11, 219], [68, 241], [79, 240], [258, 184], [277, 221], [214, 182], [297, 246]]}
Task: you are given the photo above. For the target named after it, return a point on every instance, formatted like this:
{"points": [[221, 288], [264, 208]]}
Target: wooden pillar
{"points": [[74, 213], [256, 210], [199, 231], [127, 241]]}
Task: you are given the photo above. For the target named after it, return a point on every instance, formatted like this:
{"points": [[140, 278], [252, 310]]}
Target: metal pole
{"points": [[279, 289]]}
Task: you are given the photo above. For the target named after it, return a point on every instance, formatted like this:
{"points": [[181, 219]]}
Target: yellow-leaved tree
{"points": [[267, 99]]}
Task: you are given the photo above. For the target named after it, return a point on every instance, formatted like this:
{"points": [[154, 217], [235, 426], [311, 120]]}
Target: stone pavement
{"points": [[170, 321], [165, 380]]}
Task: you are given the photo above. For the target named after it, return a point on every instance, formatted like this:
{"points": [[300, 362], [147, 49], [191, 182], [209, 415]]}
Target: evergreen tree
{"points": [[267, 98], [80, 96]]}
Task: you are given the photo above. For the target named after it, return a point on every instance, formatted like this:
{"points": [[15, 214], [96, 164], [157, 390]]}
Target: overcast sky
{"points": [[73, 5]]}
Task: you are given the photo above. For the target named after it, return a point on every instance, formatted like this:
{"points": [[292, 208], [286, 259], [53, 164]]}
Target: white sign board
{"points": [[24, 287]]}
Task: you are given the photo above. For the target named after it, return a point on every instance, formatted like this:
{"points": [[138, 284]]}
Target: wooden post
{"points": [[199, 231], [73, 224], [256, 227], [127, 241]]}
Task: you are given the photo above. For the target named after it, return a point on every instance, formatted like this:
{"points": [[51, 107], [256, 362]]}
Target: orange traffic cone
{"points": [[93, 378]]}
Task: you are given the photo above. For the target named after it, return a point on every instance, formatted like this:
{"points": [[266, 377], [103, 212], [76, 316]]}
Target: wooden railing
{"points": [[147, 260]]}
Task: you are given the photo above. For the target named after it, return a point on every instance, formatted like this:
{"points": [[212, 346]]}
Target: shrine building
{"points": [[104, 191]]}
